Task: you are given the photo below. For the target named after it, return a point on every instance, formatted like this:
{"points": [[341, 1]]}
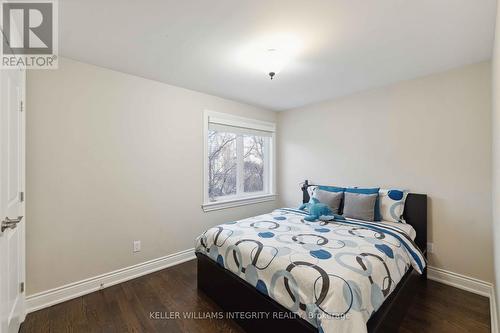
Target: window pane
{"points": [[253, 163], [221, 164]]}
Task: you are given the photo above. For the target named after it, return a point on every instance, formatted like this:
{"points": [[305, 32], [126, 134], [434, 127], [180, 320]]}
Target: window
{"points": [[239, 161]]}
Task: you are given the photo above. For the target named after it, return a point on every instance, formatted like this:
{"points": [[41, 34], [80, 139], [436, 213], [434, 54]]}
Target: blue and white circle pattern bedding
{"points": [[333, 274]]}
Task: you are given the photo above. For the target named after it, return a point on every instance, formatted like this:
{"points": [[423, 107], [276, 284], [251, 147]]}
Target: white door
{"points": [[12, 176]]}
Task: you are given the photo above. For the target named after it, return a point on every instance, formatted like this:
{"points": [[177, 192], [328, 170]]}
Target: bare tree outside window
{"points": [[253, 163], [222, 161], [235, 164]]}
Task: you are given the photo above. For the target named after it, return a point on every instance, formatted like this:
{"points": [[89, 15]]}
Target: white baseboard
{"points": [[467, 283], [460, 281], [64, 293]]}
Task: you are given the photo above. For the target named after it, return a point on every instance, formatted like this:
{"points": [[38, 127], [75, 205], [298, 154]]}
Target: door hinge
{"points": [[21, 196], [21, 287], [21, 106]]}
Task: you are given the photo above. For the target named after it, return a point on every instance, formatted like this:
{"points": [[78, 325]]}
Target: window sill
{"points": [[217, 205]]}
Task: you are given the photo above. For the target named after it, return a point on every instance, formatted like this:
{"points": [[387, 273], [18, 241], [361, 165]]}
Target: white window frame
{"points": [[269, 193]]}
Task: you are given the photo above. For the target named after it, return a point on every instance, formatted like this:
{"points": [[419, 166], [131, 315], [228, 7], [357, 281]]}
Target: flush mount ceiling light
{"points": [[269, 54], [273, 62]]}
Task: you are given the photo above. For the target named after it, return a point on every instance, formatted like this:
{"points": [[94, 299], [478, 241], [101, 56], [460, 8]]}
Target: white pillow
{"points": [[392, 204]]}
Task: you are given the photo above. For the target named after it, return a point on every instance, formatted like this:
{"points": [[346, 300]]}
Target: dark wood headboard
{"points": [[415, 213]]}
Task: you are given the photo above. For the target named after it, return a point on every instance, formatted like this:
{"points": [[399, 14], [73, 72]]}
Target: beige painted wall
{"points": [[431, 135], [114, 158], [496, 157]]}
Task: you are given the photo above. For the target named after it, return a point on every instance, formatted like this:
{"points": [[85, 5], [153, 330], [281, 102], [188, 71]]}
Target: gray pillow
{"points": [[331, 199], [360, 206]]}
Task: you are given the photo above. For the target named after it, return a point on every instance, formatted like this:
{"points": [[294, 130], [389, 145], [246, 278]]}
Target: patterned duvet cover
{"points": [[334, 274]]}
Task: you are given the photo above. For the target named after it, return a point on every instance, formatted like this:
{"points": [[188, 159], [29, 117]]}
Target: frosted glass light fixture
{"points": [[273, 62], [269, 54]]}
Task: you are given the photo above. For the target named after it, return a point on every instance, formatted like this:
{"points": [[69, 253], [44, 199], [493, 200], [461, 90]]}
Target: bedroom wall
{"points": [[430, 135], [496, 157], [114, 158]]}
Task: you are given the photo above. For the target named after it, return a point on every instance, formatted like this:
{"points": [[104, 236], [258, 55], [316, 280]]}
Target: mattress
{"points": [[334, 275]]}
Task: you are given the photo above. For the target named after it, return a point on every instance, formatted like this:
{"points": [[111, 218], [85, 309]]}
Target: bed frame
{"points": [[233, 294]]}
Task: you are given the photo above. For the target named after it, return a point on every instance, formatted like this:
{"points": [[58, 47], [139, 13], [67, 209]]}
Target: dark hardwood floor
{"points": [[127, 307]]}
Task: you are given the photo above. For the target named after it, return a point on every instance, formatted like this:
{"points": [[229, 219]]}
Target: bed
{"points": [[279, 272]]}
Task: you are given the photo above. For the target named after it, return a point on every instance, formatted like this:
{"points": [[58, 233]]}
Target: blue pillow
{"points": [[332, 188], [374, 190]]}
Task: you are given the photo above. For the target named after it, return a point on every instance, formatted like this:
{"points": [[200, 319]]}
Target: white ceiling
{"points": [[345, 45]]}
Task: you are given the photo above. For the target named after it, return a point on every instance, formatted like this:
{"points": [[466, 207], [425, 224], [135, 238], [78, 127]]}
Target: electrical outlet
{"points": [[430, 247], [137, 246]]}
